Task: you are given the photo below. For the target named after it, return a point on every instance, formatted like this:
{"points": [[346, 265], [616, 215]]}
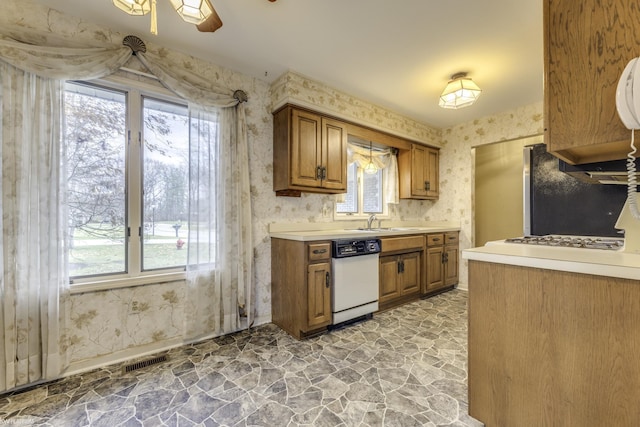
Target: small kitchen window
{"points": [[368, 193]]}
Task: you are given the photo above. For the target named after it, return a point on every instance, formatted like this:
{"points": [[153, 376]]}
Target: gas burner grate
{"points": [[586, 242]]}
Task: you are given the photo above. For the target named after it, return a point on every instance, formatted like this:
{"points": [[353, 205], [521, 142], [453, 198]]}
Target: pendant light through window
{"points": [[370, 168]]}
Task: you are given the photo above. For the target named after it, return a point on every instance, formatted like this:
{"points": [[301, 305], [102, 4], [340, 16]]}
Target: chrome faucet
{"points": [[372, 218]]}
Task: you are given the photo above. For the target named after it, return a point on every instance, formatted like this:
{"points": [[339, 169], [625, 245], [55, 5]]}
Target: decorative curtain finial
{"points": [[135, 44], [240, 96]]}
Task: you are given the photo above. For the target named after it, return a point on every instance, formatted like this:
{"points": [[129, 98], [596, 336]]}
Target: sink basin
{"points": [[368, 230], [371, 230]]}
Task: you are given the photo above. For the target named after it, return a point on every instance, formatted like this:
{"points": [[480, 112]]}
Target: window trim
{"points": [[133, 197]]}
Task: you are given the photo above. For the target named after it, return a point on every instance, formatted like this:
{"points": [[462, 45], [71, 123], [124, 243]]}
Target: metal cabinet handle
{"points": [[319, 251], [427, 185], [318, 172], [324, 172], [436, 239], [327, 280]]}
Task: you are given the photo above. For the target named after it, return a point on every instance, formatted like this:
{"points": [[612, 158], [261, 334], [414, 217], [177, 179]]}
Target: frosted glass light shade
{"points": [[460, 92], [193, 11], [371, 168], [133, 7]]}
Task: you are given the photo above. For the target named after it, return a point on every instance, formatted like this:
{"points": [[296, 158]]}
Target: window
{"points": [[364, 196], [127, 200]]}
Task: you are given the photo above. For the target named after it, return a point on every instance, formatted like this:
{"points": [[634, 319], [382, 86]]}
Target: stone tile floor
{"points": [[404, 367]]}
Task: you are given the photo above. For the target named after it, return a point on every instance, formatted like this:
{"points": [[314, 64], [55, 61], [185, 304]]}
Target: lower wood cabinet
{"points": [[442, 261], [399, 276], [301, 286], [401, 271]]}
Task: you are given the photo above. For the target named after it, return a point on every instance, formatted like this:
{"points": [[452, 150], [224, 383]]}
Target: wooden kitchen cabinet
{"points": [[301, 286], [401, 272], [418, 172], [442, 262], [309, 153], [586, 47]]}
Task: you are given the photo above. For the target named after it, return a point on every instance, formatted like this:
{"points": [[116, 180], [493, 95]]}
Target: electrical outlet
{"points": [[326, 211]]}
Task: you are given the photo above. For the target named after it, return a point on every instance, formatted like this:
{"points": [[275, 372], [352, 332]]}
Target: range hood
{"points": [[612, 172]]}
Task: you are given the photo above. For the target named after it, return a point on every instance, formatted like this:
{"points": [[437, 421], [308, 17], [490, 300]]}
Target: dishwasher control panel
{"points": [[350, 247]]}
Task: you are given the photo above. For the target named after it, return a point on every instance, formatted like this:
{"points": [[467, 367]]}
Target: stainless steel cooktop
{"points": [[586, 242]]}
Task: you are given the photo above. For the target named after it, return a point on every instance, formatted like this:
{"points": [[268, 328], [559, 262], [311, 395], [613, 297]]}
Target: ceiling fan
{"points": [[198, 12]]}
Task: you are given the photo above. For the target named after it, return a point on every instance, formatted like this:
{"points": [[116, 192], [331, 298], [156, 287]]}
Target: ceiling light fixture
{"points": [[460, 92], [371, 167], [191, 11]]}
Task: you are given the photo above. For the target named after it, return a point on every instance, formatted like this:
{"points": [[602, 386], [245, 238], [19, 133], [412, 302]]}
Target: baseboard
{"points": [[463, 286], [141, 351]]}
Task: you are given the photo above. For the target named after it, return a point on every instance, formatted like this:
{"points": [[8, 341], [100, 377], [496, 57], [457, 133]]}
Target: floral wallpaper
{"points": [[113, 324]]}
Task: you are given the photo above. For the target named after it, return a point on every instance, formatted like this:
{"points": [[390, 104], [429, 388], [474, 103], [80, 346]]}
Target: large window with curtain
{"points": [[127, 154]]}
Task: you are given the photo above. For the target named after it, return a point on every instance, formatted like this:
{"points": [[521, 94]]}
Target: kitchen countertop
{"points": [[598, 262], [307, 233]]}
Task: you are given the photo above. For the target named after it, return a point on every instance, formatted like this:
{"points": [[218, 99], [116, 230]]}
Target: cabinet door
{"points": [[586, 47], [334, 154], [410, 273], [451, 265], [419, 173], [432, 173], [435, 268], [318, 295], [389, 279], [306, 149]]}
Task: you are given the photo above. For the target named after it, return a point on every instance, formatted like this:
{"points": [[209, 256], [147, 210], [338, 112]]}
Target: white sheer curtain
{"points": [[220, 257], [34, 281], [34, 286], [219, 270], [382, 158]]}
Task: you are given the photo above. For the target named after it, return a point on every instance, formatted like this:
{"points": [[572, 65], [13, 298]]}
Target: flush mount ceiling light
{"points": [[460, 92]]}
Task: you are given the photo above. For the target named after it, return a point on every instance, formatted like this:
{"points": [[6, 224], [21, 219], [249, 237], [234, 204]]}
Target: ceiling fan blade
{"points": [[212, 23]]}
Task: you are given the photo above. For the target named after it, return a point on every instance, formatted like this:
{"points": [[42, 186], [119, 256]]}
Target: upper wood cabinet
{"points": [[586, 47], [418, 172], [309, 153]]}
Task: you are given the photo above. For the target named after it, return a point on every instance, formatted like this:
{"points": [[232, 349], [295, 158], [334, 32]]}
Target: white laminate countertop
{"points": [[309, 234], [599, 262]]}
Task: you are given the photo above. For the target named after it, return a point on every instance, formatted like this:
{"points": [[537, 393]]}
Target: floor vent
{"points": [[144, 363]]}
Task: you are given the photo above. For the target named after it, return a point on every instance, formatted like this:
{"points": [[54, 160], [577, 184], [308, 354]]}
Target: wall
{"points": [[103, 329], [457, 164]]}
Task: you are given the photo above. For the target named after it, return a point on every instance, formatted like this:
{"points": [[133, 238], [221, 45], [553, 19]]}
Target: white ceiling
{"points": [[398, 54]]}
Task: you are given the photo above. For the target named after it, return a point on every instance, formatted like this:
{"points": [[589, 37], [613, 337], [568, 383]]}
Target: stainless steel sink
{"points": [[370, 230]]}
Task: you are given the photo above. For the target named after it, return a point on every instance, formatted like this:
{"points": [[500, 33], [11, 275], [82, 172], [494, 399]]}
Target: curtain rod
{"points": [[363, 145]]}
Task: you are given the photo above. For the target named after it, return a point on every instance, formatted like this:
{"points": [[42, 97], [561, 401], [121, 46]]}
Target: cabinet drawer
{"points": [[451, 238], [319, 251], [435, 239], [390, 244]]}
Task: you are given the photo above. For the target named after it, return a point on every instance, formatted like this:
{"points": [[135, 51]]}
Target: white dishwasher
{"points": [[354, 265]]}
